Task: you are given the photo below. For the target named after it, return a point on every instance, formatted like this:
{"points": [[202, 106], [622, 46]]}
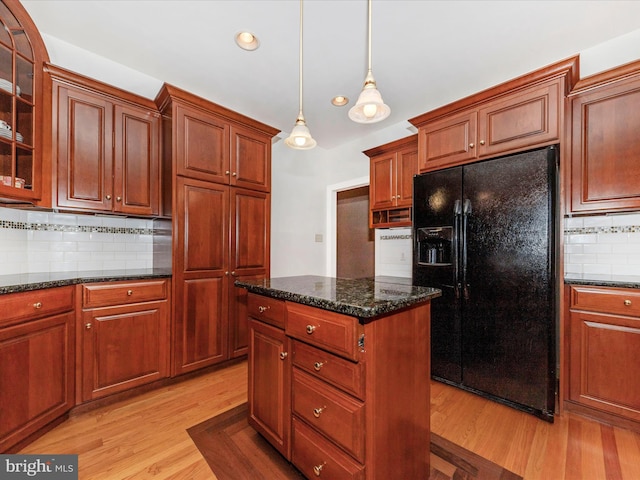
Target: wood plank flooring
{"points": [[146, 437]]}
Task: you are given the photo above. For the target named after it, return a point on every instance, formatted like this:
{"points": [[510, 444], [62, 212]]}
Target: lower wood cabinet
{"points": [[341, 397], [604, 354], [269, 374], [36, 361], [123, 336]]}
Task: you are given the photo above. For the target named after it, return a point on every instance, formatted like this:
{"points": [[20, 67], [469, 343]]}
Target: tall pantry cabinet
{"points": [[216, 188]]}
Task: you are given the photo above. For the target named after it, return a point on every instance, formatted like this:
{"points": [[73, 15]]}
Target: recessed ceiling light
{"points": [[247, 41], [339, 100]]}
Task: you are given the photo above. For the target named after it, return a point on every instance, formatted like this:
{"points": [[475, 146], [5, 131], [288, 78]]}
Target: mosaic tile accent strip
{"points": [[47, 227], [594, 230]]}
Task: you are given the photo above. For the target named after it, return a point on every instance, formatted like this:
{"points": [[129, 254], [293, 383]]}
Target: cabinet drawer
{"points": [[606, 300], [331, 331], [267, 309], [337, 415], [315, 456], [122, 293], [16, 307], [341, 373]]}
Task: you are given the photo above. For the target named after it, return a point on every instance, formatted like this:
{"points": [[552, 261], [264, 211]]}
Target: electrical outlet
{"points": [[318, 238]]}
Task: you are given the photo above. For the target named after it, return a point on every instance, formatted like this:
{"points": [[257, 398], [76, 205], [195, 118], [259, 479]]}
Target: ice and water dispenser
{"points": [[435, 245]]}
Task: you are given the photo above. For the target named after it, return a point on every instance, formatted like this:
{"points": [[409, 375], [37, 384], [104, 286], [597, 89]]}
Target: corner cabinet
{"points": [[524, 113], [391, 172], [216, 168], [605, 144], [604, 354], [38, 362], [106, 145], [23, 177]]}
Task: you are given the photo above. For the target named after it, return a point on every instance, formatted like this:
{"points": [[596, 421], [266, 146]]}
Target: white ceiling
{"points": [[425, 53]]}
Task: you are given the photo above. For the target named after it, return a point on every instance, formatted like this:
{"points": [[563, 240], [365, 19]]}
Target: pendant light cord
{"points": [[369, 35], [300, 58]]}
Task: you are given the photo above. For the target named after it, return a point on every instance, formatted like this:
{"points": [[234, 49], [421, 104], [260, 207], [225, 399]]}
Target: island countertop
{"points": [[364, 298]]}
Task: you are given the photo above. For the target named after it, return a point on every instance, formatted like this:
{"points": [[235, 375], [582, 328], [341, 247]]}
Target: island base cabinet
{"points": [[36, 378]]}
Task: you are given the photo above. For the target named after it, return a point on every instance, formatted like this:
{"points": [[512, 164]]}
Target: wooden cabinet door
{"points": [[202, 145], [382, 179], [201, 271], [137, 161], [406, 169], [37, 376], [270, 384], [448, 141], [250, 254], [84, 150], [250, 159], [604, 362], [605, 148], [523, 119], [123, 347]]}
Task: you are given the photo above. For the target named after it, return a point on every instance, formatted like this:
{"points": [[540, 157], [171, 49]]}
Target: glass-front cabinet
{"points": [[21, 58]]}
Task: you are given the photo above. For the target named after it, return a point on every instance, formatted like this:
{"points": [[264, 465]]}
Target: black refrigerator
{"points": [[486, 235]]}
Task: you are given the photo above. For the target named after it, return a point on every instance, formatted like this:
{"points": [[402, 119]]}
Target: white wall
{"points": [[300, 178]]}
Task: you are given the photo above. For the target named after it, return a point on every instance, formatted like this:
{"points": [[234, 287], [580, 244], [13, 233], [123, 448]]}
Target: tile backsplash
{"points": [[38, 241], [602, 247]]}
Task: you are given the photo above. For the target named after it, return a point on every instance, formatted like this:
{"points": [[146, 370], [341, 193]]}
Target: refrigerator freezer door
{"points": [[509, 316]]}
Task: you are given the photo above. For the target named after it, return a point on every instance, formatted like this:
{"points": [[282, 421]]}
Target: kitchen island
{"points": [[339, 373]]}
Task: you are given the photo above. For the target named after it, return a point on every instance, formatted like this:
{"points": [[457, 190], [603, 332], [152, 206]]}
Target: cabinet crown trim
{"points": [[409, 141], [614, 75]]}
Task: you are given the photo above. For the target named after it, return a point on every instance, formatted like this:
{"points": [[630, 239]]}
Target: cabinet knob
{"points": [[627, 302], [471, 145], [317, 366], [310, 329], [318, 411], [37, 305], [87, 326], [234, 174], [227, 172], [233, 273], [317, 469], [129, 293], [118, 199], [283, 355], [481, 142], [108, 197], [262, 309]]}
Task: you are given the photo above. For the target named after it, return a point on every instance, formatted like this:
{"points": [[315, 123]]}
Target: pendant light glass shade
{"points": [[370, 108], [300, 137]]}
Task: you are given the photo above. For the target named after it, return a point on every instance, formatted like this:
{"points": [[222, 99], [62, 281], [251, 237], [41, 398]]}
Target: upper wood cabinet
{"points": [[106, 143], [524, 113], [22, 106], [215, 144], [392, 168], [605, 142]]}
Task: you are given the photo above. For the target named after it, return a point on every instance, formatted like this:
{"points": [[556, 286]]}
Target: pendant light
{"points": [[370, 108], [300, 137]]}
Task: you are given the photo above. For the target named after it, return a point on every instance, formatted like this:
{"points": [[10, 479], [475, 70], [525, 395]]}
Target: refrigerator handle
{"points": [[465, 214], [457, 212]]}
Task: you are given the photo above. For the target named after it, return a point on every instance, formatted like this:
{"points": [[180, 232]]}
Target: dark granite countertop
{"points": [[618, 283], [363, 298], [36, 281]]}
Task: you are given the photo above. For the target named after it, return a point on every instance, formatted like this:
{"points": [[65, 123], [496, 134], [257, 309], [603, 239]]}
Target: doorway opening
{"points": [[355, 241]]}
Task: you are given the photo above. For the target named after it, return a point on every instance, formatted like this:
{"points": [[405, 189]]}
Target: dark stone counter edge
{"points": [[341, 307], [76, 278], [602, 283]]}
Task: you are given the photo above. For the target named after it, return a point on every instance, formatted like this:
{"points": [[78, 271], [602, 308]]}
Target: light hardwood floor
{"points": [[145, 437]]}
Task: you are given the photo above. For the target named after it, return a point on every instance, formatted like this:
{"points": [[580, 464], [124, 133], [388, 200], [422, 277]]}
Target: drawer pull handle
{"points": [[627, 302], [317, 366], [317, 469], [129, 293], [318, 411], [87, 326], [283, 355], [262, 309], [310, 329], [37, 305]]}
